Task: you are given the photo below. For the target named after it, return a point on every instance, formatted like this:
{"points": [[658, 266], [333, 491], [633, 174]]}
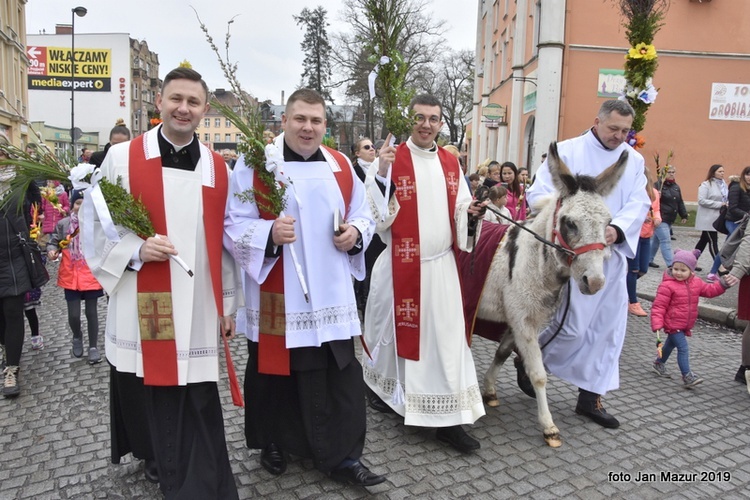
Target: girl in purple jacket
{"points": [[675, 311]]}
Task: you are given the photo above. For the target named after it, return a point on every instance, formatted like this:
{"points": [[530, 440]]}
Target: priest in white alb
{"points": [[584, 344], [163, 324], [420, 363], [303, 382]]}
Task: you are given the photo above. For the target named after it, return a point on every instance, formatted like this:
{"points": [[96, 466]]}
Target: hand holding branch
{"points": [[157, 249], [386, 157], [283, 231]]}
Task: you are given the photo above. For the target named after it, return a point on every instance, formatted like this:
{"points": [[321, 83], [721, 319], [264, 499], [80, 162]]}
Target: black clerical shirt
{"points": [[185, 159]]}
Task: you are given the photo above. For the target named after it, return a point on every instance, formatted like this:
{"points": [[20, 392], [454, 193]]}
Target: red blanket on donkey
{"points": [[473, 277]]}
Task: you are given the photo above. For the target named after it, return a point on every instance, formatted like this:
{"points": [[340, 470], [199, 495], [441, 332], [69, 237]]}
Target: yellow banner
{"points": [[89, 63]]}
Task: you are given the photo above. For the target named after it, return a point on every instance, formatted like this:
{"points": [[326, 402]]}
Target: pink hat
{"points": [[689, 258]]}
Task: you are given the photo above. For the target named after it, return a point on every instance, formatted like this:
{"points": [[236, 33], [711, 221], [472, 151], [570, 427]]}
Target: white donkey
{"points": [[526, 276]]}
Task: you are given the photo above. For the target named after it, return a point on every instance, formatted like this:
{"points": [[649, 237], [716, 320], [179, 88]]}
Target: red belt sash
{"points": [[273, 356], [405, 248]]}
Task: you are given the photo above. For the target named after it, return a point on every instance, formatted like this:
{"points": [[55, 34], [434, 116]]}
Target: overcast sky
{"points": [[265, 39]]}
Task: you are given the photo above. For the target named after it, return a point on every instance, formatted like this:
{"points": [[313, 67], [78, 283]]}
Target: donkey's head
{"points": [[582, 218]]}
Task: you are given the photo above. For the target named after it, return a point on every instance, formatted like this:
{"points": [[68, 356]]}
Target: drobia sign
{"points": [[730, 101]]}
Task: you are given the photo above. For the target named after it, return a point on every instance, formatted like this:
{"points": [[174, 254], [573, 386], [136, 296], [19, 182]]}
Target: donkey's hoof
{"points": [[491, 400], [553, 439]]}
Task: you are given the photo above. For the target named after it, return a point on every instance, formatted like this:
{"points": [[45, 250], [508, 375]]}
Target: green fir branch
{"points": [[125, 210], [643, 19]]}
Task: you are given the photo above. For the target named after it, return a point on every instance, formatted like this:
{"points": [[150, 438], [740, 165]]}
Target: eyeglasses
{"points": [[368, 146], [434, 120]]}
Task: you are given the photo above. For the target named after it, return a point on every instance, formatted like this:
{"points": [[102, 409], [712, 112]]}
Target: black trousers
{"points": [[11, 327], [315, 413]]}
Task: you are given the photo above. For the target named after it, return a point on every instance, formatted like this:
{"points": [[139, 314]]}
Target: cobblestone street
{"points": [[55, 436]]}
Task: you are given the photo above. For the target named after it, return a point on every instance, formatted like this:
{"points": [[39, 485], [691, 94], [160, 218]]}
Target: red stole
{"points": [[405, 249], [273, 356], [154, 279]]}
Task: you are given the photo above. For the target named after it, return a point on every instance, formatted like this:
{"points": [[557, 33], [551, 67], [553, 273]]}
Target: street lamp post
{"points": [[80, 12]]}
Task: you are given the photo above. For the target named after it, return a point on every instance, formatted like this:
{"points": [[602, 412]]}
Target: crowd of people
{"points": [[301, 290]]}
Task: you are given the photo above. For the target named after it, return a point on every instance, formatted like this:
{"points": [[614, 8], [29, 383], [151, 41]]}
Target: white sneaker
{"points": [[37, 343]]}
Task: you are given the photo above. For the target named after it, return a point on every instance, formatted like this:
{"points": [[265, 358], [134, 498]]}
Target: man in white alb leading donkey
{"points": [[586, 348], [421, 365]]}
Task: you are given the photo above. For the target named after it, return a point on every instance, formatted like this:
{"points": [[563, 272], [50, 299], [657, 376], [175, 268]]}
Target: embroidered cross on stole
{"points": [[405, 248], [273, 356]]}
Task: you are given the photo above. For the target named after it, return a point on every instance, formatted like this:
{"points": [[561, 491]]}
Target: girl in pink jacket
{"points": [[675, 310], [76, 279]]}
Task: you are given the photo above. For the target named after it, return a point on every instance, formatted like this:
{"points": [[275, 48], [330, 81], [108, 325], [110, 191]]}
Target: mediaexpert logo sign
{"points": [[59, 68]]}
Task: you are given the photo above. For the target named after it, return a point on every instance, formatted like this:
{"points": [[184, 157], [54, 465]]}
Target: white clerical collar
{"points": [[175, 146], [364, 164], [431, 149]]}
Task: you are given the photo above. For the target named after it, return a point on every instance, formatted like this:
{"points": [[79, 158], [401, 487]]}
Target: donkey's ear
{"points": [[564, 181], [607, 180]]}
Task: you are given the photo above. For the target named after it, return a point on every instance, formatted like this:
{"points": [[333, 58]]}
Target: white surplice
{"points": [[586, 352], [312, 200], [440, 389], [195, 315]]}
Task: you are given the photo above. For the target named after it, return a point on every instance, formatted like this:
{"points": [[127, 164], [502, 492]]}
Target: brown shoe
{"points": [[636, 310]]}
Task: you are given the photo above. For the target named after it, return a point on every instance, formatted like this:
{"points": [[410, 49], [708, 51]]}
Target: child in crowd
{"points": [[33, 300], [76, 279], [499, 198], [675, 311]]}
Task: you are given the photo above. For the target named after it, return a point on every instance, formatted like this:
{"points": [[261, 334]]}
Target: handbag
{"points": [[719, 223], [732, 244], [32, 254]]}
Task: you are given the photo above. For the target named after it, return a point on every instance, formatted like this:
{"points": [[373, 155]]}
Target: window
{"points": [[227, 123], [237, 137], [217, 137], [207, 122], [135, 91], [217, 122], [206, 137], [227, 137]]}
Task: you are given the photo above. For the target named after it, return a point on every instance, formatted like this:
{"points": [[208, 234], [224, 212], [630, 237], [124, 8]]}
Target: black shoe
{"points": [[523, 380], [590, 405], [273, 460], [698, 269], [654, 265], [150, 471], [458, 438], [77, 347], [356, 474], [740, 376], [673, 238], [377, 404]]}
